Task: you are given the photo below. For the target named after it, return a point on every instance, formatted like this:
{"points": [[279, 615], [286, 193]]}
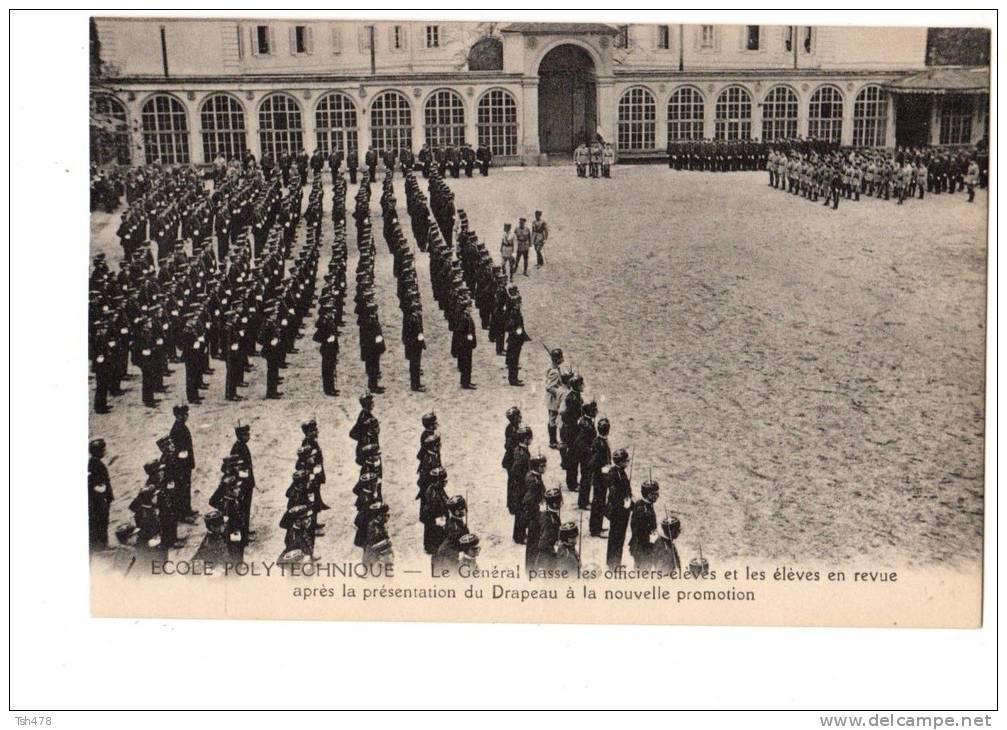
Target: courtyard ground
{"points": [[805, 384]]}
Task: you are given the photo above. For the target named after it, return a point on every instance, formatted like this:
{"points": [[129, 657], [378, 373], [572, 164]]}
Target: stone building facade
{"points": [[182, 90]]}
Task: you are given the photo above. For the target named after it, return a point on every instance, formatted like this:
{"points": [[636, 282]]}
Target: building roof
{"points": [[946, 80], [560, 29]]}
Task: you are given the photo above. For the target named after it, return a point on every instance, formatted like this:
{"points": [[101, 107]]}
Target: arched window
{"points": [[685, 115], [825, 114], [280, 125], [109, 131], [391, 122], [637, 120], [444, 119], [486, 54], [497, 122], [779, 114], [336, 123], [870, 117], [222, 126], [733, 114], [165, 131]]}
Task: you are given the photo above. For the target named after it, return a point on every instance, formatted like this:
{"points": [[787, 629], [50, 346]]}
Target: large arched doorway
{"points": [[567, 99]]}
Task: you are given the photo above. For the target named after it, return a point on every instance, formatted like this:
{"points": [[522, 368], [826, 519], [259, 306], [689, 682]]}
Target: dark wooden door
{"points": [[555, 114]]}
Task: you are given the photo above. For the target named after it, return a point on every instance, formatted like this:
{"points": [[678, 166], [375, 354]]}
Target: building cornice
{"points": [[748, 73], [391, 79]]}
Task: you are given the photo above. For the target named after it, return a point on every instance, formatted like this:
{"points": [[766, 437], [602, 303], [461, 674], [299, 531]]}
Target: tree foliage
{"points": [[958, 47]]}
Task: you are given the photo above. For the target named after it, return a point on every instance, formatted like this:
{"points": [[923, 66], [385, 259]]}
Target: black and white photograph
{"points": [[493, 319]]}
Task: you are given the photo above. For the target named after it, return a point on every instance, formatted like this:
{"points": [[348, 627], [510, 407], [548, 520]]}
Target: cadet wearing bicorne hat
{"points": [[665, 554], [184, 462], [643, 525], [567, 558], [99, 495], [620, 499]]}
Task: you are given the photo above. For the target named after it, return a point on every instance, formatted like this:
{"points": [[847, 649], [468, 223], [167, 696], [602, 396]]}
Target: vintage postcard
{"points": [[537, 321]]}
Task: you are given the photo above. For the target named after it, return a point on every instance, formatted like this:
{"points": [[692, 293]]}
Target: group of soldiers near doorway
{"points": [[594, 159]]}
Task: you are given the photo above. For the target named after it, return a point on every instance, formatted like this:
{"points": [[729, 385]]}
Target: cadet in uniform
{"points": [[522, 235], [601, 459], [376, 543], [531, 498], [185, 462], [469, 543], [485, 158], [510, 437], [643, 525], [507, 247], [570, 413], [567, 559], [539, 235], [99, 495], [547, 532], [620, 497], [665, 554], [516, 337], [434, 510], [518, 463], [243, 463], [556, 378], [972, 179], [582, 452]]}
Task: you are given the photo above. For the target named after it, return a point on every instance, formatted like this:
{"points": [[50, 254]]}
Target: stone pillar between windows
{"points": [[846, 137], [710, 113], [529, 121], [606, 116], [661, 120], [935, 121], [419, 135], [891, 121], [979, 112], [756, 119], [471, 117], [307, 101], [363, 102], [192, 123], [252, 101], [803, 113]]}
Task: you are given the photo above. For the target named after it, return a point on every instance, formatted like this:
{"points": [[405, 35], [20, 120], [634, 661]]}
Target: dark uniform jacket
{"points": [[548, 536], [182, 438], [516, 478], [619, 492], [642, 524]]}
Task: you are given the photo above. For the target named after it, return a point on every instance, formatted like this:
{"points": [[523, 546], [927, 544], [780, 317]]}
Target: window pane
{"points": [[825, 114], [685, 115], [336, 123], [779, 114], [391, 122], [870, 117], [733, 114], [280, 125], [637, 120], [444, 119], [165, 131], [496, 122], [222, 128]]}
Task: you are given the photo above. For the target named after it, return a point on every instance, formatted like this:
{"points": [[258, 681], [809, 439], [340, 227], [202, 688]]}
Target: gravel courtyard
{"points": [[805, 384]]}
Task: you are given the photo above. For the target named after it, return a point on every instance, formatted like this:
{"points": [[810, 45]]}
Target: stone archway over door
{"points": [[567, 99]]}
